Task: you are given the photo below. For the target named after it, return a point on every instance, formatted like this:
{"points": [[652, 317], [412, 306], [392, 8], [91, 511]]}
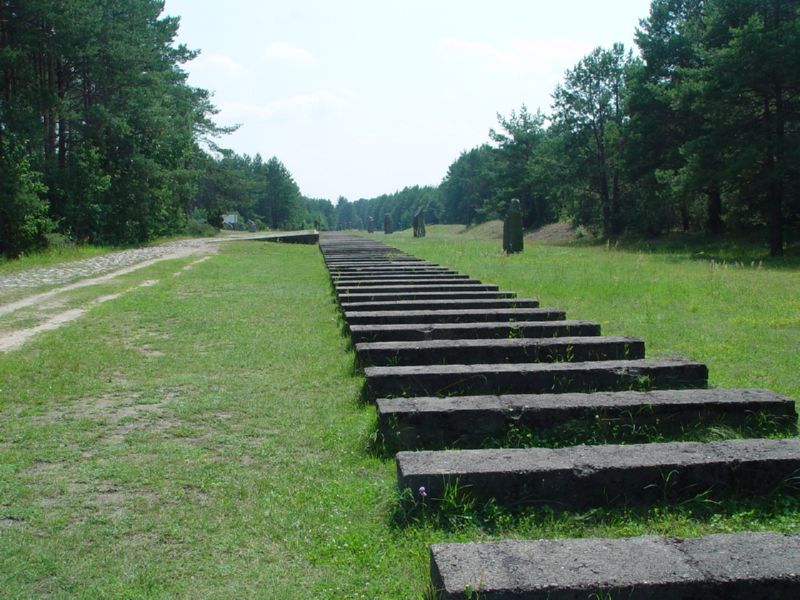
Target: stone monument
{"points": [[512, 229], [419, 223]]}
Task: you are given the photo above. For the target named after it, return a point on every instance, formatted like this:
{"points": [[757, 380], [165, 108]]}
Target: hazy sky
{"points": [[360, 98]]}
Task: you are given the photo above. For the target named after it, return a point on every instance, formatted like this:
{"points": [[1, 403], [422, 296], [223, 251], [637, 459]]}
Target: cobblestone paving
{"points": [[72, 271]]}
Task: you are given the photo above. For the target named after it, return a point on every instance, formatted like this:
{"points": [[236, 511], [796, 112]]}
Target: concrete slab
{"points": [[455, 331], [309, 236], [401, 267], [369, 283], [437, 301], [584, 477], [470, 421], [360, 279], [516, 350], [740, 566], [533, 378], [471, 315], [410, 287], [359, 298]]}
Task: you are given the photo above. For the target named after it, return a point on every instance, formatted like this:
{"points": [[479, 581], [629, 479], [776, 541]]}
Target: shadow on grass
{"points": [[748, 251], [705, 512], [386, 442]]}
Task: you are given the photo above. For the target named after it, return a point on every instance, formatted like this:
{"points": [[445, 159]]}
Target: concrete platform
{"points": [[368, 283], [434, 301], [584, 477], [309, 236], [411, 288], [403, 267], [469, 421], [384, 301], [349, 278], [740, 566], [454, 331], [471, 315], [517, 350], [533, 378], [394, 259]]}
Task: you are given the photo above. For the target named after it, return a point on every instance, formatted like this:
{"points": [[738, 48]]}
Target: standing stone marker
{"points": [[512, 229], [387, 224], [419, 223], [370, 225]]}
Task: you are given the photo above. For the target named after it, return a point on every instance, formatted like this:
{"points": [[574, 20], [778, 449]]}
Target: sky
{"points": [[361, 98]]}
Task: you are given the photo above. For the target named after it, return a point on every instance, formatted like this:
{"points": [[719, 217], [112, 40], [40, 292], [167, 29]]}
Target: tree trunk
{"points": [[63, 128], [773, 166], [51, 109], [684, 215], [714, 217], [605, 204], [616, 209], [776, 218]]}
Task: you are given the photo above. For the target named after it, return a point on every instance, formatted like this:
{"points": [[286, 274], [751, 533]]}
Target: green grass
{"points": [[742, 320], [204, 437]]}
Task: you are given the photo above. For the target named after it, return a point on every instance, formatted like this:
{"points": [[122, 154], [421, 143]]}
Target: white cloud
{"points": [[298, 106], [541, 56], [216, 63], [286, 53]]}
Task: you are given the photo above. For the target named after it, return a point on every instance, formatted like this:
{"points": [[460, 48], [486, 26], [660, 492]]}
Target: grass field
{"points": [[203, 437]]}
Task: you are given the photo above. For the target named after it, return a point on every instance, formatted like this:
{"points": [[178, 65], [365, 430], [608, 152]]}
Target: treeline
{"points": [[699, 133], [98, 128], [262, 192], [101, 138], [400, 206]]}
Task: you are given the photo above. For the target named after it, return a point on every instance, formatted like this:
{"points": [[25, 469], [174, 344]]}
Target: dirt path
{"points": [[89, 272]]}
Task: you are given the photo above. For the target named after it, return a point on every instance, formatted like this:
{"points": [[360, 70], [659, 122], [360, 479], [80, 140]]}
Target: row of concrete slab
{"points": [[454, 365]]}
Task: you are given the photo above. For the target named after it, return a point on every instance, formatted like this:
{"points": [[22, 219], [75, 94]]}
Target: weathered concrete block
{"points": [[512, 229], [387, 224], [434, 301], [356, 262], [457, 331], [361, 278], [470, 421], [740, 566], [289, 237], [387, 268], [376, 282], [419, 223], [584, 477], [436, 295], [533, 378], [518, 350], [413, 288], [390, 271], [454, 316]]}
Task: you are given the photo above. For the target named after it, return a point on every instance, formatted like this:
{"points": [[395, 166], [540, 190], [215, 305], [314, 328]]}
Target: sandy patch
{"points": [[14, 340], [190, 266], [38, 298]]}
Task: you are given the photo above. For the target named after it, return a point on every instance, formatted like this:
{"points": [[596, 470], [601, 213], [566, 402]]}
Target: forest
{"points": [[103, 141]]}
